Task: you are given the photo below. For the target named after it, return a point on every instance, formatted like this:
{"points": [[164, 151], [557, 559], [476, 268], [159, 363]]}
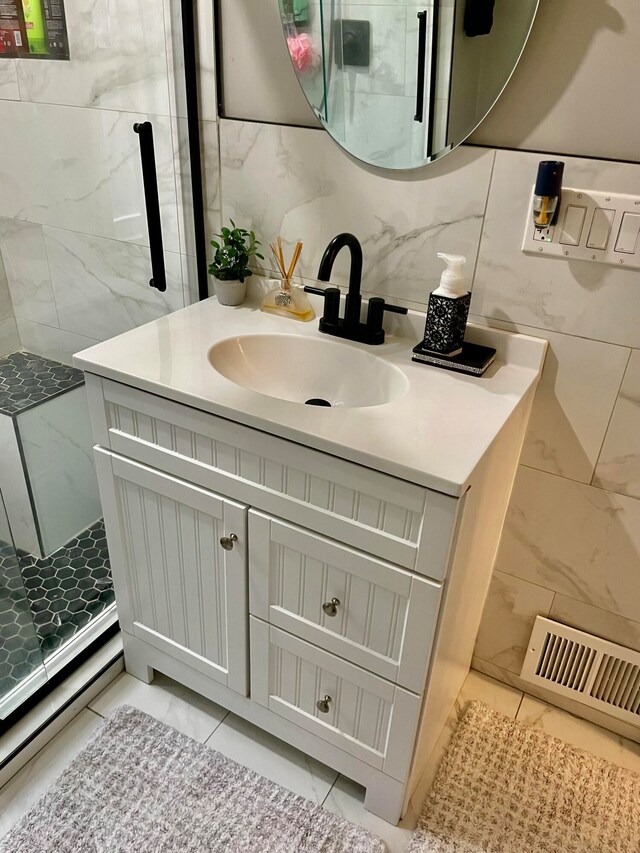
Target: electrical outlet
{"points": [[543, 235]]}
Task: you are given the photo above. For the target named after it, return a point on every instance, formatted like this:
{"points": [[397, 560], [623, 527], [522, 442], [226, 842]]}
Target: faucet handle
{"points": [[395, 309], [375, 315], [377, 307], [331, 302]]}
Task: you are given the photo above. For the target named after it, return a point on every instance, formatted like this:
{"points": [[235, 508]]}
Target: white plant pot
{"points": [[230, 292]]}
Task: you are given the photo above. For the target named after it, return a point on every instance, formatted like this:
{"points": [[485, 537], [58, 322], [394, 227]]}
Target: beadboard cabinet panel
{"points": [[347, 602], [185, 593], [373, 511], [349, 707]]}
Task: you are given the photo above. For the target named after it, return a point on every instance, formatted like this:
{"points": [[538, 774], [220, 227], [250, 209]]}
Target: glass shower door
{"points": [[21, 665], [98, 235]]}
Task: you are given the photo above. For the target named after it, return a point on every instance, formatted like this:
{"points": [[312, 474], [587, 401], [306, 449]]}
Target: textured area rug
{"points": [[141, 787], [504, 787]]}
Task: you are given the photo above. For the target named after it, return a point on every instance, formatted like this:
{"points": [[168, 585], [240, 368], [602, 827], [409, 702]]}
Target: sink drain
{"points": [[317, 401]]}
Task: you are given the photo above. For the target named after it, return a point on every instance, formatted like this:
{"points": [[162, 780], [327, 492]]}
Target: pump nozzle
{"points": [[452, 280]]}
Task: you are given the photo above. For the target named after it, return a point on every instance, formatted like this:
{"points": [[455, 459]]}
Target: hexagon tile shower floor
{"points": [[64, 591], [46, 451]]}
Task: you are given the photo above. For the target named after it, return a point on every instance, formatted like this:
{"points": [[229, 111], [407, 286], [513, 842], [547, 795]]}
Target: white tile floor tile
{"points": [[164, 699], [272, 758], [346, 799], [580, 733], [30, 783]]}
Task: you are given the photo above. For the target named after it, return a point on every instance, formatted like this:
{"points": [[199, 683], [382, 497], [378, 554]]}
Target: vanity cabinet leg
{"points": [[385, 799], [134, 662]]}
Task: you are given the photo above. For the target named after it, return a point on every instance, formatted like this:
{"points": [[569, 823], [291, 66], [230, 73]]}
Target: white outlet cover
{"points": [[547, 242]]}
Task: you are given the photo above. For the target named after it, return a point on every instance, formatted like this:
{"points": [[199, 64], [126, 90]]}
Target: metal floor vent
{"points": [[585, 668]]}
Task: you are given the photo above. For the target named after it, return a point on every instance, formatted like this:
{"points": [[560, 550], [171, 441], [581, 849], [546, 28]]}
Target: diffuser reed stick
{"points": [[278, 254], [279, 260], [294, 260]]}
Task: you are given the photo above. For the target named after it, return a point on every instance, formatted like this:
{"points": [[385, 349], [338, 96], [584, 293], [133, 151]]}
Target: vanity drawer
{"points": [[399, 521], [371, 613], [363, 714]]}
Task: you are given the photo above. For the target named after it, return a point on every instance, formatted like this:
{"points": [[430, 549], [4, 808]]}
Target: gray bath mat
{"points": [[504, 787], [141, 787]]}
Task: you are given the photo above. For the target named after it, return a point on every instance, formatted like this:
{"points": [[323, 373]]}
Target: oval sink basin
{"points": [[306, 370]]}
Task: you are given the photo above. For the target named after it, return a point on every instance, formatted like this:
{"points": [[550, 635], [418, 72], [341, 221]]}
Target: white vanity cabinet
{"points": [[329, 603]]}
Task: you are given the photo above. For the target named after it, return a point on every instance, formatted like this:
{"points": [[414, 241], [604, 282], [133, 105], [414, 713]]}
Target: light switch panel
{"points": [[592, 226]]}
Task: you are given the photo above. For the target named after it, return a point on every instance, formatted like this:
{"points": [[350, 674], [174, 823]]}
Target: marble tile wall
{"points": [[9, 90], [73, 232], [6, 306], [573, 527], [9, 340], [571, 545], [298, 183]]}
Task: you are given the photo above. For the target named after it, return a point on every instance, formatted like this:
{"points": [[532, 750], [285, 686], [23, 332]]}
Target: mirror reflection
{"points": [[398, 84]]}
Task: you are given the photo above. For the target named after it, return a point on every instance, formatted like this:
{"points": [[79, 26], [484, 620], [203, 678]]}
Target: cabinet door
{"points": [[370, 612], [177, 588]]}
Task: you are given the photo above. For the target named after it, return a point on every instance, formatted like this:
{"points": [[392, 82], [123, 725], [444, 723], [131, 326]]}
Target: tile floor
{"points": [[210, 724]]}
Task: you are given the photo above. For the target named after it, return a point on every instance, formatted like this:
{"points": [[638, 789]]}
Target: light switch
{"points": [[628, 234], [600, 228], [572, 225]]}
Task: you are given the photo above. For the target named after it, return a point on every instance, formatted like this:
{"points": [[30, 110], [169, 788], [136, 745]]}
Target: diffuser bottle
{"points": [[448, 310]]}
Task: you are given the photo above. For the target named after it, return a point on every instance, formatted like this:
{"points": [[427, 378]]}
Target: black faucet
{"points": [[350, 326]]}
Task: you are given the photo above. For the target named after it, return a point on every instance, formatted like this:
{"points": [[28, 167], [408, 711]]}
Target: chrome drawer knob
{"points": [[227, 542], [331, 607], [323, 704]]}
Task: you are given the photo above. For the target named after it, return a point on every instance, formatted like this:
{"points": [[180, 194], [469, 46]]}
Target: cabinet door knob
{"points": [[227, 541], [331, 607], [323, 704]]}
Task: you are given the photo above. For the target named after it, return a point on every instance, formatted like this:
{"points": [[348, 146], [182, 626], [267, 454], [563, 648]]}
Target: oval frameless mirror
{"points": [[397, 84]]}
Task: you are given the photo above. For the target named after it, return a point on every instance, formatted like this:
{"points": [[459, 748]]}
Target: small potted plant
{"points": [[230, 266]]}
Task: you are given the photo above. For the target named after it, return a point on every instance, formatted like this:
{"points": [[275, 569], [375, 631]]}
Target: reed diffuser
{"points": [[287, 300]]}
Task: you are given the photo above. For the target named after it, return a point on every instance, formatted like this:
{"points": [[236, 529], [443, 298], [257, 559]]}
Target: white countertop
{"points": [[434, 435]]}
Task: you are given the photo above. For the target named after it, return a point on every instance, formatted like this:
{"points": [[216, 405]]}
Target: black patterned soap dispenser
{"points": [[448, 310]]}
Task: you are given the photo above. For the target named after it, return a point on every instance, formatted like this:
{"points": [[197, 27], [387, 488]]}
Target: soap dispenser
{"points": [[448, 310]]}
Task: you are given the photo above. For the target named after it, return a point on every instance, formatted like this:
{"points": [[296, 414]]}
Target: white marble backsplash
{"points": [[567, 426], [296, 182]]}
